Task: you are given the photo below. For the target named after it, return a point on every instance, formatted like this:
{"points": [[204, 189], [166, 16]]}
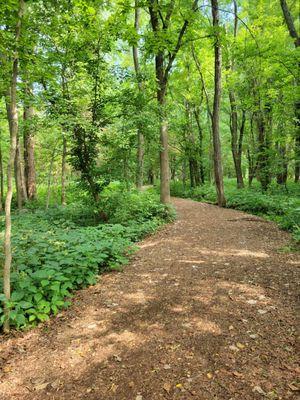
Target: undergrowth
{"points": [[55, 252]]}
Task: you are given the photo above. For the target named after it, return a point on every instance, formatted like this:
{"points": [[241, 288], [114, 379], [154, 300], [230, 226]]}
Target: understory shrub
{"points": [[127, 206]]}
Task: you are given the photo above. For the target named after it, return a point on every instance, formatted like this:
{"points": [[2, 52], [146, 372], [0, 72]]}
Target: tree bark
{"points": [[140, 136], [162, 74], [263, 149], [236, 140], [63, 171], [294, 35], [50, 178], [1, 178], [20, 177], [29, 144], [283, 164], [218, 169], [12, 116], [201, 155], [290, 22]]}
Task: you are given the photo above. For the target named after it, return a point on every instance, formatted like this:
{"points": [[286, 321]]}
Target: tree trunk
{"points": [[294, 35], [164, 145], [140, 136], [252, 164], [164, 157], [63, 171], [283, 164], [50, 178], [18, 176], [1, 178], [218, 169], [29, 144], [290, 22], [201, 155], [297, 159], [162, 74], [262, 156], [21, 180], [12, 116], [236, 143]]}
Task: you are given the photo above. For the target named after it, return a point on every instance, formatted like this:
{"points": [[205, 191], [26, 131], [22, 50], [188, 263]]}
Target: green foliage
{"points": [[125, 207], [54, 255], [276, 204]]}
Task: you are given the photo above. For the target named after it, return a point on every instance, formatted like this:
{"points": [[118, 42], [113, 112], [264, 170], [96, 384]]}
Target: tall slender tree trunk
{"points": [[251, 151], [294, 35], [164, 157], [12, 116], [29, 144], [63, 171], [236, 143], [218, 169], [140, 136], [1, 178], [263, 151], [18, 175], [283, 164], [163, 127], [235, 139], [162, 74], [201, 155], [50, 178]]}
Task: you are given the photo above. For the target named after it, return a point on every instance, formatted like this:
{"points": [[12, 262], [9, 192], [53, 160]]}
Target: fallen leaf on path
{"points": [[253, 336], [262, 311], [237, 374], [41, 386], [259, 390], [167, 387]]}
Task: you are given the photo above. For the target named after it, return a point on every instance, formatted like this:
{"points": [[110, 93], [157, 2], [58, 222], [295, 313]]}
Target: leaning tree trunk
{"points": [[218, 169], [12, 116]]}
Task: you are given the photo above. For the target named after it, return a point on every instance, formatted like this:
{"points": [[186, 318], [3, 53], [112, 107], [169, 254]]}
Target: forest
{"points": [[124, 119]]}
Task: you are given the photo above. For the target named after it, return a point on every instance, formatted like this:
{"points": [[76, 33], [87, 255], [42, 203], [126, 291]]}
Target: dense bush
{"points": [[53, 254], [124, 207], [277, 204]]}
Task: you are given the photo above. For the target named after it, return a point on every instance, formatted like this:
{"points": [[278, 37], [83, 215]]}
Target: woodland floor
{"points": [[205, 310]]}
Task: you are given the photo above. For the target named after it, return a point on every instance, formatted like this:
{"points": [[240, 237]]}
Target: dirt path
{"points": [[206, 310]]}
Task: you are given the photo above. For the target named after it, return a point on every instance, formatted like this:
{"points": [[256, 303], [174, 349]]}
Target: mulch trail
{"points": [[206, 310]]}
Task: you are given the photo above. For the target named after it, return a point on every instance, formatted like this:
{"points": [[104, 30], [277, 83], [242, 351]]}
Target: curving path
{"points": [[206, 310]]}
